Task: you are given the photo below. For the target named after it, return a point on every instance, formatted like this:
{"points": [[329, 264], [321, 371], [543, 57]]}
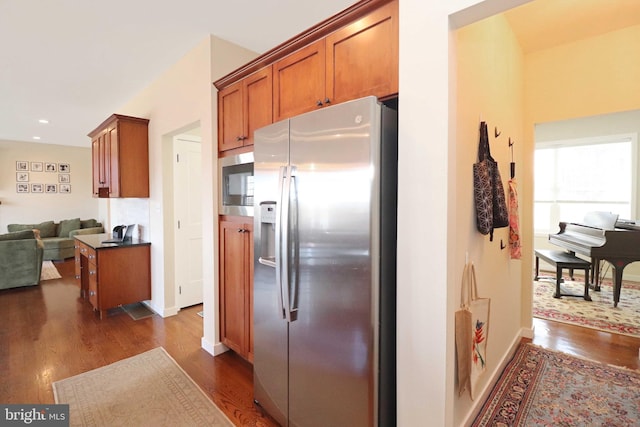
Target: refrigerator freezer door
{"points": [[332, 354], [271, 153]]}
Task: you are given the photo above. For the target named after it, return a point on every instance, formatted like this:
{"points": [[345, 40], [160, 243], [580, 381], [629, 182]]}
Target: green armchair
{"points": [[21, 254]]}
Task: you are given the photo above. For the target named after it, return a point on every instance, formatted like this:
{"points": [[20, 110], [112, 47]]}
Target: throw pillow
{"points": [[88, 223], [19, 227], [68, 225], [17, 235], [47, 229]]}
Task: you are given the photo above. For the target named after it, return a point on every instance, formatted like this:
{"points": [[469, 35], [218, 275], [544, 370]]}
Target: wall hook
{"points": [[513, 164], [502, 245], [496, 133]]}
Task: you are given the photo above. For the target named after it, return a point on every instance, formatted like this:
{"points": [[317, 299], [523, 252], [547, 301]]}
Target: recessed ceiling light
{"points": [[43, 121], [36, 137]]}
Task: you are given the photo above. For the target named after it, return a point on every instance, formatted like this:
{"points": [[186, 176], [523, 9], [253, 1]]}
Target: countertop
{"points": [[96, 241]]}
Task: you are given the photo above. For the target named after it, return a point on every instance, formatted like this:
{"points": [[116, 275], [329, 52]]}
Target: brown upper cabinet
{"points": [[362, 58], [348, 56], [120, 157], [299, 82], [357, 60], [244, 107]]}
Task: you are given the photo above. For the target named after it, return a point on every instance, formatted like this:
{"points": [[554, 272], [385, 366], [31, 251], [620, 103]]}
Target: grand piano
{"points": [[602, 237]]}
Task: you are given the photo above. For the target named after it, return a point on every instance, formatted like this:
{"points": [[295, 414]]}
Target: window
{"points": [[579, 176]]}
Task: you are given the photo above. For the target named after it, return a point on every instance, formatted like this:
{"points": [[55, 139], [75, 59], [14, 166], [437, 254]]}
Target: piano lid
{"points": [[601, 219]]}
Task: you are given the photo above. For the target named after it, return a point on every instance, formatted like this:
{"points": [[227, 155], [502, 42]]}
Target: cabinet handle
{"points": [[327, 101], [319, 103], [91, 273], [242, 230], [92, 293]]}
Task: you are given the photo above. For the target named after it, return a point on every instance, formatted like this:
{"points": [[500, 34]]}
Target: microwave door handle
{"points": [[278, 238]]}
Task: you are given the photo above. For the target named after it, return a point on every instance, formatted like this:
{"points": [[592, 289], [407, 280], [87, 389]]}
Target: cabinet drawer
{"points": [[87, 252], [93, 286]]}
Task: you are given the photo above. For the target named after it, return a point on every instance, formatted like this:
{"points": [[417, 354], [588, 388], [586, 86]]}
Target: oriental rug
{"points": [[541, 387], [597, 314], [49, 271], [149, 389]]}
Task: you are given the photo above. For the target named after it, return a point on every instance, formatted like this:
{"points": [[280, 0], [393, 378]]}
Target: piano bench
{"points": [[562, 260]]}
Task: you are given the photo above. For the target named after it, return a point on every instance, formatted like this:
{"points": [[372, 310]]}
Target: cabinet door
{"points": [[258, 102], [113, 155], [249, 287], [362, 58], [299, 82], [230, 121], [96, 164], [101, 162], [233, 273]]}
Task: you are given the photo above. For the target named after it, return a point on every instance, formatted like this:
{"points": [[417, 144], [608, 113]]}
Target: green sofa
{"points": [[20, 259], [57, 237]]}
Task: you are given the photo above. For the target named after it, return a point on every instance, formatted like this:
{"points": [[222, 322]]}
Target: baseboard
{"points": [[213, 349], [495, 376], [164, 312]]}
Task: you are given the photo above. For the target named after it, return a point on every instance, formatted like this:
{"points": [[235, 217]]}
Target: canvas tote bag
{"points": [[463, 337], [472, 327], [479, 308]]}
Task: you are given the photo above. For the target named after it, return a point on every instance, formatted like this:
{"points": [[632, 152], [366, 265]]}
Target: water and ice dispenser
{"points": [[267, 233]]}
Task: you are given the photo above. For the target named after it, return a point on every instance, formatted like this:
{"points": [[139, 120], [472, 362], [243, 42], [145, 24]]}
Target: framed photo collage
{"points": [[43, 177]]}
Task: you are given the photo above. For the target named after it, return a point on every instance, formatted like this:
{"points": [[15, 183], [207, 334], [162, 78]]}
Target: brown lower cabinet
{"points": [[236, 285], [112, 275]]}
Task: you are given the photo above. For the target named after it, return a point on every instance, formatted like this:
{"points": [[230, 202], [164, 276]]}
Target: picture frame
{"points": [[21, 165], [51, 167], [37, 188], [64, 177], [36, 166], [51, 188], [64, 167], [22, 187], [22, 176], [65, 188]]}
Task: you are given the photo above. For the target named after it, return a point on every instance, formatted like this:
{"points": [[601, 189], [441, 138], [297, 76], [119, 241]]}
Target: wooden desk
{"points": [[111, 275]]}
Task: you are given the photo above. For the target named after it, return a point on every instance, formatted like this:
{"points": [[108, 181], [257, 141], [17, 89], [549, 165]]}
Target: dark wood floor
{"points": [[47, 333]]}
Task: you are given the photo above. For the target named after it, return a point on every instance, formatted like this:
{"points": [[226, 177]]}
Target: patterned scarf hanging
{"points": [[514, 222]]}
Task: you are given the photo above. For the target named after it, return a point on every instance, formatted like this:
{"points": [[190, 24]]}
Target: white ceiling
{"points": [[74, 62]]}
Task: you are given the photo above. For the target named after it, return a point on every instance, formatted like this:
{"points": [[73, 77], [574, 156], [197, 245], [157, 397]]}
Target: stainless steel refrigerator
{"points": [[325, 266]]}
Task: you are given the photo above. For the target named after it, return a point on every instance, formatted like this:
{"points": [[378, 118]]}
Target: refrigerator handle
{"points": [[285, 251], [278, 238]]}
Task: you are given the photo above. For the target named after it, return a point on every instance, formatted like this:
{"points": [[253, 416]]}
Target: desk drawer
{"points": [[93, 285], [87, 252]]}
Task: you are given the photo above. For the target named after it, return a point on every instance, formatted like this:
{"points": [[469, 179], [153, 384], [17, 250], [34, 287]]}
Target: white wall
{"points": [[38, 207], [181, 99], [427, 236], [489, 83]]}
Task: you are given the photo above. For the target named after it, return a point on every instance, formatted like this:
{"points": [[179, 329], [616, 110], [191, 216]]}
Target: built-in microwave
{"points": [[236, 185]]}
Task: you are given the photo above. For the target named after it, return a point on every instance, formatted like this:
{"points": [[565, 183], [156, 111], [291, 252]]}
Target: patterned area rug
{"points": [[149, 389], [49, 271], [540, 387], [597, 314]]}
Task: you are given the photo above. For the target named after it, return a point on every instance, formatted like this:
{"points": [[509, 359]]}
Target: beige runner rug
{"points": [[149, 389], [49, 271]]}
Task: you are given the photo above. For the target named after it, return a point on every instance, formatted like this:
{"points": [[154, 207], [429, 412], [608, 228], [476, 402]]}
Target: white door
{"points": [[188, 220]]}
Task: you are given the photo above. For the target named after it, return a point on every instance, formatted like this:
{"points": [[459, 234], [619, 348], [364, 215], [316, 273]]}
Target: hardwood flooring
{"points": [[48, 333]]}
